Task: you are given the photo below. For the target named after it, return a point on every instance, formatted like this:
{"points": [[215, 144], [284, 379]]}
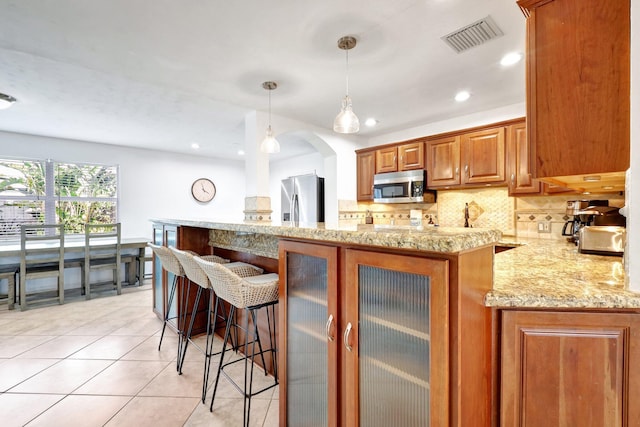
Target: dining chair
{"points": [[9, 272], [41, 256], [101, 252]]}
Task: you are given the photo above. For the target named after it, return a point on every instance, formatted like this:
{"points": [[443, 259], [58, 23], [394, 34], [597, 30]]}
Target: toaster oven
{"points": [[602, 240]]}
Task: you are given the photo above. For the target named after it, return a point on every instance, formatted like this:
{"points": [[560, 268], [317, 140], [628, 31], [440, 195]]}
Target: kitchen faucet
{"points": [[466, 215]]}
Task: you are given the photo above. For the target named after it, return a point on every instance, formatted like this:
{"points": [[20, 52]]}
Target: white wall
{"points": [[152, 183]]}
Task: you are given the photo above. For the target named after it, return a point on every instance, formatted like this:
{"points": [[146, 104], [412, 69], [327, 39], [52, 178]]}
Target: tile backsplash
{"points": [[535, 217]]}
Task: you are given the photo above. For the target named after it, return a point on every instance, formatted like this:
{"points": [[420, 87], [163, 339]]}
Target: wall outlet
{"points": [[544, 227]]}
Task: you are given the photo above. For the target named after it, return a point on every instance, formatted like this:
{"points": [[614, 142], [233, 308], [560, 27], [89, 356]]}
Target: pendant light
{"points": [[270, 144], [346, 121], [6, 101]]}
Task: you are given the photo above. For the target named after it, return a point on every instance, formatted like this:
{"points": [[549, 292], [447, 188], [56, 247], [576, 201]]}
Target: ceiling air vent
{"points": [[473, 35]]}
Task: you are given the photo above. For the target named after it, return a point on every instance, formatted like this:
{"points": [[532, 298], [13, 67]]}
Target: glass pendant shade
{"points": [[346, 121], [270, 144]]}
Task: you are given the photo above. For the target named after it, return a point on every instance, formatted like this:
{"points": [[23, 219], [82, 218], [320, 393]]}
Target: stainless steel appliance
{"points": [[402, 187], [576, 221], [602, 240], [302, 199]]}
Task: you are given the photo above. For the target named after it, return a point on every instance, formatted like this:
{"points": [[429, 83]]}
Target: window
{"points": [[47, 192]]}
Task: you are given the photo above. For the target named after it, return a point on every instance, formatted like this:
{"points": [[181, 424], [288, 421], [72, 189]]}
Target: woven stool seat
{"points": [[241, 292]]}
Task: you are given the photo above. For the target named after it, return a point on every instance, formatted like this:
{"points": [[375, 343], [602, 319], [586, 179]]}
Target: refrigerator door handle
{"points": [[296, 209]]}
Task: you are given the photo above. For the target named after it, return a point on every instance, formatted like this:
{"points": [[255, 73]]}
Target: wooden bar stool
{"points": [[249, 294]]}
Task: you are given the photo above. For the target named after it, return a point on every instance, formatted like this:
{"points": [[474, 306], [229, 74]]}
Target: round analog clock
{"points": [[203, 190]]}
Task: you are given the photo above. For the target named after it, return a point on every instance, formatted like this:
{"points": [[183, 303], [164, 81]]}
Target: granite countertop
{"points": [[424, 238], [548, 273]]}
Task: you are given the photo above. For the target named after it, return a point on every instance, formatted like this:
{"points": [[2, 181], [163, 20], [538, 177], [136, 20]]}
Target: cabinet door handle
{"points": [[328, 328], [457, 171], [466, 169], [345, 337], [513, 178]]}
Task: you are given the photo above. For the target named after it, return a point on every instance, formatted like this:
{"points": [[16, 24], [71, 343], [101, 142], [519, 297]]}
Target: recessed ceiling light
{"points": [[511, 58], [195, 146], [371, 122], [591, 178], [240, 152], [462, 96], [6, 101]]}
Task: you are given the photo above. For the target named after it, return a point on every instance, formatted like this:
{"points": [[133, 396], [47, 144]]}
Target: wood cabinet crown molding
{"points": [[528, 5]]}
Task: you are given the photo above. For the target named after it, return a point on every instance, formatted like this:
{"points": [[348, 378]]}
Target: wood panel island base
{"points": [[378, 326]]}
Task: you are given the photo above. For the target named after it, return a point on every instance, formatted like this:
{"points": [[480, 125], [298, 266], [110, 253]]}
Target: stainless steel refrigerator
{"points": [[302, 199]]}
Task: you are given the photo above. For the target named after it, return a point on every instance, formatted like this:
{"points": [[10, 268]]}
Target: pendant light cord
{"points": [[347, 51], [269, 109]]}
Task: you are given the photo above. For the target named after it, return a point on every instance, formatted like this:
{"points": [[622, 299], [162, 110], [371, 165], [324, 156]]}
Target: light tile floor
{"points": [[96, 363]]}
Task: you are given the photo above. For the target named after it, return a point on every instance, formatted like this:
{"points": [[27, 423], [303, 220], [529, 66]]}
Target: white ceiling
{"points": [[163, 74]]}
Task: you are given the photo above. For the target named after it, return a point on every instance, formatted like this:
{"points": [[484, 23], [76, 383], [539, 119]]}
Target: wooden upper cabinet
{"points": [[411, 156], [578, 85], [443, 162], [401, 157], [365, 169], [387, 160], [518, 162], [483, 156]]}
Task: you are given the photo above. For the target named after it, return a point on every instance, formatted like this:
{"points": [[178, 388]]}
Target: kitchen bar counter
{"points": [[537, 273], [322, 269], [429, 239], [552, 274]]}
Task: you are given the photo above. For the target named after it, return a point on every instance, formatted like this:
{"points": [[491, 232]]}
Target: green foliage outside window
{"points": [[78, 194]]}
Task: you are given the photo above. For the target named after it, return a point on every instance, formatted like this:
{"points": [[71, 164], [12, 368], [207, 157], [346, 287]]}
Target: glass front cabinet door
{"points": [[308, 323], [366, 343], [395, 340], [163, 235]]}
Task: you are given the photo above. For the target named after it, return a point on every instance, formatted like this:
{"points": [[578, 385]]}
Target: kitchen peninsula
{"points": [[374, 312], [570, 337], [537, 323]]}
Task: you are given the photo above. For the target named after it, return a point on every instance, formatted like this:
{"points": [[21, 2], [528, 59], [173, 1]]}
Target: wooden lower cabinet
{"points": [[570, 369], [367, 338]]}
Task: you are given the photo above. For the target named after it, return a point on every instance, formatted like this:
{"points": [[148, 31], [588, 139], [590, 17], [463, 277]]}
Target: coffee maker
{"points": [[577, 220]]}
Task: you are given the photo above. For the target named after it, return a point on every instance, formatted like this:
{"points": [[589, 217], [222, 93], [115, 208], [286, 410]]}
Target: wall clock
{"points": [[203, 190]]}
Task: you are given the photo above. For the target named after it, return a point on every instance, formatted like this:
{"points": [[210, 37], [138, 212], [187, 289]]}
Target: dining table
{"points": [[132, 252]]}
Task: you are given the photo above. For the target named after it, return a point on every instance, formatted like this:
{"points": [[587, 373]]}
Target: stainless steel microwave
{"points": [[402, 187]]}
